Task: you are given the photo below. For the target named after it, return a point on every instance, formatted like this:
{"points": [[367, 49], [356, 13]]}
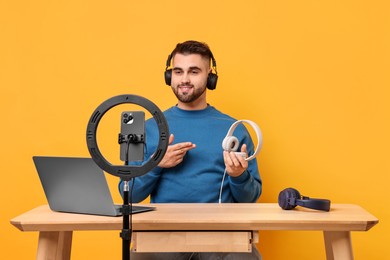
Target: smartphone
{"points": [[132, 124]]}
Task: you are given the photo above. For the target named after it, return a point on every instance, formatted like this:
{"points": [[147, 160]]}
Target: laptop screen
{"points": [[76, 185]]}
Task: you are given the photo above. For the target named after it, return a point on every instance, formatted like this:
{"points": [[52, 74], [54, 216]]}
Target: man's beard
{"points": [[188, 97]]}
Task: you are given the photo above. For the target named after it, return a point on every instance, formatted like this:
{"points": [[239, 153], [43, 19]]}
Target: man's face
{"points": [[189, 77]]}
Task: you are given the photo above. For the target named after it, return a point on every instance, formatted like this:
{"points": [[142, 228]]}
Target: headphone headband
{"points": [[213, 62], [313, 203], [258, 134]]}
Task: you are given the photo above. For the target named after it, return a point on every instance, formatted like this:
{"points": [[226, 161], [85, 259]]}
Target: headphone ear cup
{"points": [[168, 76], [212, 81], [285, 197], [230, 143]]}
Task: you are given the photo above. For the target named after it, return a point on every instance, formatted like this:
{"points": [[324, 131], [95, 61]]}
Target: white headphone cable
{"points": [[220, 190]]}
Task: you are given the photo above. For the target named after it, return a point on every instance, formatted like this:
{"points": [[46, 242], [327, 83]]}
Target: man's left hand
{"points": [[235, 164]]}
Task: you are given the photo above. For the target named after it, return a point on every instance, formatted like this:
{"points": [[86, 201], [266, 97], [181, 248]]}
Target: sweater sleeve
{"points": [[245, 188]]}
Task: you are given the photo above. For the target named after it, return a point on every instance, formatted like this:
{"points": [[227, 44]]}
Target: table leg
{"points": [[54, 245], [338, 245]]}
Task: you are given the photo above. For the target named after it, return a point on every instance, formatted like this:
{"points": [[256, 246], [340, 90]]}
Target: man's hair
{"points": [[193, 47]]}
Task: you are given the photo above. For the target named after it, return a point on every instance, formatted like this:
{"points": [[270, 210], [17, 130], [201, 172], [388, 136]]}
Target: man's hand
{"points": [[175, 153], [235, 164]]}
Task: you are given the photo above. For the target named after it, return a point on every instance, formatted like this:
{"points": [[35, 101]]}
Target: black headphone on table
{"points": [[290, 198], [211, 79]]}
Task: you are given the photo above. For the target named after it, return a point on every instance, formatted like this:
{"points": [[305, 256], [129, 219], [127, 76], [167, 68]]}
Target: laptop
{"points": [[77, 185]]}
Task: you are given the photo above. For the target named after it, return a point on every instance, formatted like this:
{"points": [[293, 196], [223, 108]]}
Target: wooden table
{"points": [[200, 227]]}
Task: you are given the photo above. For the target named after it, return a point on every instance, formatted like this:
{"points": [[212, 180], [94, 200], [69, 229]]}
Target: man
{"points": [[194, 165]]}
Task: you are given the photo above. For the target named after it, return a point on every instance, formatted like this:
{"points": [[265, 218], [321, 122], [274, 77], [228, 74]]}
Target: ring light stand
{"points": [[127, 172]]}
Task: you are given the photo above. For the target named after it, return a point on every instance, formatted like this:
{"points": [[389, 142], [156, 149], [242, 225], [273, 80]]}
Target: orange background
{"points": [[313, 74]]}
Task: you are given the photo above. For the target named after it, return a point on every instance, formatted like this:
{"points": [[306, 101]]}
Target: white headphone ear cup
{"points": [[230, 143]]}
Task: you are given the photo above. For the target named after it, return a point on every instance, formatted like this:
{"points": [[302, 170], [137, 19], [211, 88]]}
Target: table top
{"points": [[211, 217]]}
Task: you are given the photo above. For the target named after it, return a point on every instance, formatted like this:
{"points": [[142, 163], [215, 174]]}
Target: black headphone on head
{"points": [[290, 198], [211, 79]]}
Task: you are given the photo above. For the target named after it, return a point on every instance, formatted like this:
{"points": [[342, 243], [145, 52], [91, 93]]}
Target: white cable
{"points": [[220, 191]]}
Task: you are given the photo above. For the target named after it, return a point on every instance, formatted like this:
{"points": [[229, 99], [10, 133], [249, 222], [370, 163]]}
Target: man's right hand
{"points": [[175, 153]]}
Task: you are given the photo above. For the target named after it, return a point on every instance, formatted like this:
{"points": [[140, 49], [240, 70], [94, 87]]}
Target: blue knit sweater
{"points": [[197, 179]]}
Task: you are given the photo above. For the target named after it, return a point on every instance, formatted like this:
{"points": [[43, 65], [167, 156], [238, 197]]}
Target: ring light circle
{"points": [[127, 172]]}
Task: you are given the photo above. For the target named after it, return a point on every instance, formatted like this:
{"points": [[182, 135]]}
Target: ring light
{"points": [[127, 172]]}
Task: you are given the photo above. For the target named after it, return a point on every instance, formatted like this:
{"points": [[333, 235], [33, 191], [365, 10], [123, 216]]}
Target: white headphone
{"points": [[230, 143]]}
